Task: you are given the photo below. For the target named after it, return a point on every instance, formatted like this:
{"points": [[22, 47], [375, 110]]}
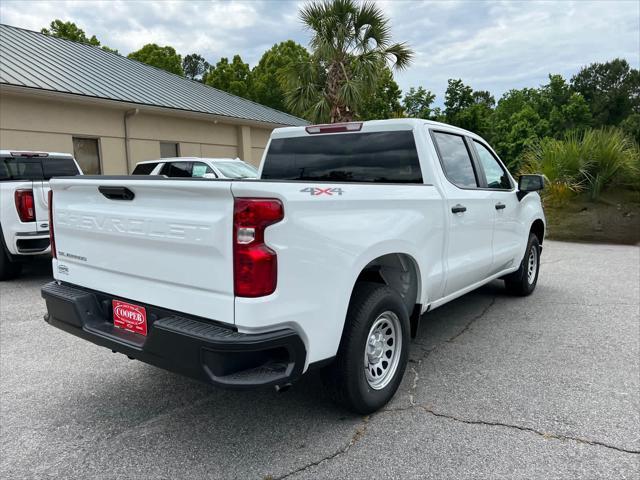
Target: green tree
{"points": [[573, 115], [268, 83], [611, 89], [384, 101], [234, 77], [483, 97], [457, 98], [194, 66], [417, 103], [468, 109], [351, 44], [164, 58], [70, 31], [515, 123]]}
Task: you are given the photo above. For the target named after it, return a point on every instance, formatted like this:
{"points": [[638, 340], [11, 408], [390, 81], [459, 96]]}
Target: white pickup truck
{"points": [[24, 219], [327, 260]]}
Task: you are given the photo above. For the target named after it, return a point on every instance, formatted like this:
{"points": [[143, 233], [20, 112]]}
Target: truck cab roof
{"points": [[190, 159], [367, 126], [33, 153]]}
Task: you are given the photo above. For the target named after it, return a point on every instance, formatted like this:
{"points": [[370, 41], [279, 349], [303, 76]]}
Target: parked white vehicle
{"points": [[197, 167], [24, 220], [352, 232]]}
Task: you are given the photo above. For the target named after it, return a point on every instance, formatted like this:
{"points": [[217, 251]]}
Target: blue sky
{"points": [[490, 45]]}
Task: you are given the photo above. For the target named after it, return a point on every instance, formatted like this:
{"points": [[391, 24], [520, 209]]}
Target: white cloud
{"points": [[491, 45]]}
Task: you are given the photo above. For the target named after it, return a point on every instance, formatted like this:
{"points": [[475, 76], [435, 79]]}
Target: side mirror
{"points": [[529, 183]]}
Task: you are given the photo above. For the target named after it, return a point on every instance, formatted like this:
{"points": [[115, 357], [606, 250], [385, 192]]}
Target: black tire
{"points": [[8, 269], [370, 305], [520, 282]]}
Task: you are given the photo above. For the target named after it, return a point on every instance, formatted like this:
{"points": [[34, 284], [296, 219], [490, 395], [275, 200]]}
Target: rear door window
{"points": [[177, 169], [455, 159], [388, 157]]}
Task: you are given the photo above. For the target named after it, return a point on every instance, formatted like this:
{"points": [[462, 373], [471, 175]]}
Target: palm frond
{"points": [[401, 53]]}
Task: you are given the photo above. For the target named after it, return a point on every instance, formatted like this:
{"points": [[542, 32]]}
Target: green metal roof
{"points": [[34, 60]]}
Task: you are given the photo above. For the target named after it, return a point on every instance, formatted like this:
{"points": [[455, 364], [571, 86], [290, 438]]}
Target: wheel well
{"points": [[537, 228], [399, 272]]}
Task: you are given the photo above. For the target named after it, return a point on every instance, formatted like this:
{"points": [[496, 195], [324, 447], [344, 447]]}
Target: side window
{"points": [[168, 150], [456, 160], [199, 169], [144, 169], [87, 154], [177, 169], [497, 177]]}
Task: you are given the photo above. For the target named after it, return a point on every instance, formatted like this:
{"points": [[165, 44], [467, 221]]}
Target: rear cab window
{"points": [[368, 157], [36, 168]]}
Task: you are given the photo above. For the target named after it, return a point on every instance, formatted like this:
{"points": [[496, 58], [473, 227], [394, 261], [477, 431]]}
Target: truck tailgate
{"points": [[169, 246]]}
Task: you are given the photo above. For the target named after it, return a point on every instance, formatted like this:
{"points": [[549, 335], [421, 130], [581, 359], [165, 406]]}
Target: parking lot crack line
{"points": [[355, 438], [473, 320], [414, 385], [545, 435]]}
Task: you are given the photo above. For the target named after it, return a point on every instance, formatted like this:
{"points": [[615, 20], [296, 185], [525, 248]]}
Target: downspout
{"points": [[127, 114]]}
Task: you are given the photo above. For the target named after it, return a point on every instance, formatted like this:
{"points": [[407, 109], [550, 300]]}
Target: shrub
{"points": [[612, 159], [590, 161]]}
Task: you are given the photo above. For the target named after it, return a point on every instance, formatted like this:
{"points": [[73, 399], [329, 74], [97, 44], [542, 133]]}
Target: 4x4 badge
{"points": [[316, 191]]}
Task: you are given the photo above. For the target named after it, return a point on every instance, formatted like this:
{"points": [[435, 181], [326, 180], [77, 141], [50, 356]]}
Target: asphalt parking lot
{"points": [[497, 387]]}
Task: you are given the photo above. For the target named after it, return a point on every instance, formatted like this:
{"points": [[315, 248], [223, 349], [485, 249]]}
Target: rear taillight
{"points": [[25, 206], [52, 239], [255, 265]]}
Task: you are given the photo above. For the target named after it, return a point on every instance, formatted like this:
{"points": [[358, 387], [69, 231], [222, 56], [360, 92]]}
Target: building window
{"points": [[87, 154], [168, 150]]}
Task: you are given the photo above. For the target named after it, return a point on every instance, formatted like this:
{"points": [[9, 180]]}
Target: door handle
{"points": [[116, 193], [500, 206], [458, 208]]}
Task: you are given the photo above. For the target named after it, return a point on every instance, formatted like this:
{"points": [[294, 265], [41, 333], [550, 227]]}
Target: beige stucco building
{"points": [[112, 112]]}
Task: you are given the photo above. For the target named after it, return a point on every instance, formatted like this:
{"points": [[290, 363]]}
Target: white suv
{"points": [[24, 220], [195, 167]]}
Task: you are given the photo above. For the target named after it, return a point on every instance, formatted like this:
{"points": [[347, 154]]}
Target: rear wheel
{"points": [[8, 269], [523, 281], [373, 352]]}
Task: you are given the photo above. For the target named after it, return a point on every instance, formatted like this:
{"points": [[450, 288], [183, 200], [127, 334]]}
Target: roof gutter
{"points": [[127, 115]]}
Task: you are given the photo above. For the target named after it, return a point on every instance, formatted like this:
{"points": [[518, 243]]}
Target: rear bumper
{"points": [[190, 346], [32, 243], [20, 245]]}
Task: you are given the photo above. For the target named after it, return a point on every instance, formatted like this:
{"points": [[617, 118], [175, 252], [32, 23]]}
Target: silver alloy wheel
{"points": [[532, 264], [382, 351]]}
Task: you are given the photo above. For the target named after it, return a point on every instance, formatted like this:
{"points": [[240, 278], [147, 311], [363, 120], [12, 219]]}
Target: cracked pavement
{"points": [[546, 386]]}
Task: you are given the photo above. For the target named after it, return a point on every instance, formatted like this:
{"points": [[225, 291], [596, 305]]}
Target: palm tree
{"points": [[351, 46]]}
